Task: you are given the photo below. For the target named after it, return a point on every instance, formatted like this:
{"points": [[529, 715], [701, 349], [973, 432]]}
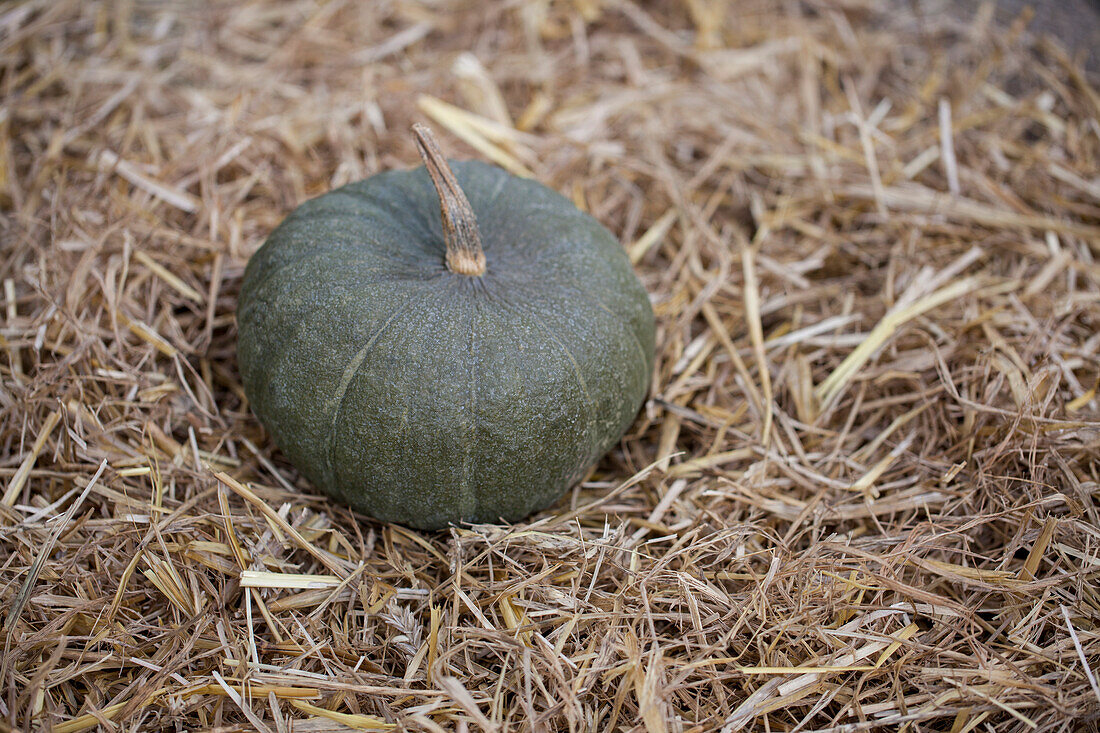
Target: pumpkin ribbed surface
{"points": [[423, 396]]}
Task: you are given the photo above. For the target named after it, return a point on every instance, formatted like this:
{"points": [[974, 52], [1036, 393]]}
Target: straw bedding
{"points": [[863, 493]]}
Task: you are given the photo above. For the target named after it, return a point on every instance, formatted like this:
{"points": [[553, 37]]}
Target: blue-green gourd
{"points": [[443, 345]]}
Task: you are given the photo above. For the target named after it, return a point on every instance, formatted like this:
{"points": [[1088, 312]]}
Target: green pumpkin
{"points": [[432, 358]]}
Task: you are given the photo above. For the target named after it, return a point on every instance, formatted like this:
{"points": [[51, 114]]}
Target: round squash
{"points": [[448, 344]]}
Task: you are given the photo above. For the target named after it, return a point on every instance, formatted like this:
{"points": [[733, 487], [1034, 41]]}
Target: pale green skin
{"points": [[424, 397]]}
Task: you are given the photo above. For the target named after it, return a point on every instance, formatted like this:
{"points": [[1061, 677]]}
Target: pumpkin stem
{"points": [[464, 253]]}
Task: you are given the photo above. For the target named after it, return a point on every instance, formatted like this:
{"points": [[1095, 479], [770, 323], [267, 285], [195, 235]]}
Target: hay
{"points": [[863, 494]]}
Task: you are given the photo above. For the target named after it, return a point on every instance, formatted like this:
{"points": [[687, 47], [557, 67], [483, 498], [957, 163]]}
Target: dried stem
{"points": [[464, 253]]}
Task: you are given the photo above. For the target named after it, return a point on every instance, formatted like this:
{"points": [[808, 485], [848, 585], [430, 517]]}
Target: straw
{"points": [[862, 493]]}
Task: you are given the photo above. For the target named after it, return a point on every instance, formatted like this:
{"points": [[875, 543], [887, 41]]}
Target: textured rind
{"points": [[424, 397]]}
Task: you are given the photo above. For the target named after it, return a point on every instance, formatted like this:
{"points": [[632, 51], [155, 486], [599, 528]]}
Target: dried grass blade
{"points": [[835, 383], [756, 334], [89, 720], [148, 334], [1035, 556], [32, 574], [947, 147], [351, 720], [169, 194], [25, 468], [696, 466], [244, 707], [286, 581], [325, 558], [463, 125], [1081, 654], [284, 692], [652, 236], [462, 697], [918, 199], [719, 330], [167, 276]]}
